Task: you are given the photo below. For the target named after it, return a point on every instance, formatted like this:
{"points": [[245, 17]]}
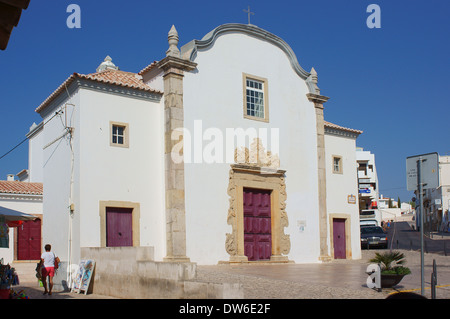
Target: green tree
{"points": [[390, 205], [399, 203]]}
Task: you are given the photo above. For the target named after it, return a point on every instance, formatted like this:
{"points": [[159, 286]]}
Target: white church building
{"points": [[217, 153]]}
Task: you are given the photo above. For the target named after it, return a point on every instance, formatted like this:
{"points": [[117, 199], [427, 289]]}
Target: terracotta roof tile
{"points": [[338, 127], [113, 77], [16, 187], [117, 77], [148, 67]]}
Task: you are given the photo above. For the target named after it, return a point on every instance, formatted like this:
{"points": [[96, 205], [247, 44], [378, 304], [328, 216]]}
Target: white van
{"points": [[370, 217]]}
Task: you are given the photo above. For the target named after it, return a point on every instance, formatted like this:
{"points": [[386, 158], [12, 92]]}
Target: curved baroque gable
{"points": [[189, 51]]}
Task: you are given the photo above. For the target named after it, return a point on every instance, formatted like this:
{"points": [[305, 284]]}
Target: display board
{"points": [[83, 276]]}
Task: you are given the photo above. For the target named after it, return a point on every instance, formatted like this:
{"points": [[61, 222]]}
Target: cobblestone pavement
{"points": [[339, 279]]}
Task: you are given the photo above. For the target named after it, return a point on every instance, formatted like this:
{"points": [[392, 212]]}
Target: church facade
{"points": [[219, 152]]}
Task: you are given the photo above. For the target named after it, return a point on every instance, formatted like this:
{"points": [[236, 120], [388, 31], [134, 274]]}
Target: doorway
{"points": [[29, 240], [119, 227], [257, 224], [339, 240]]}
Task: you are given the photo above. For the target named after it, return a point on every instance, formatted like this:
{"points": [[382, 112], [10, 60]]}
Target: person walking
{"points": [[49, 262]]}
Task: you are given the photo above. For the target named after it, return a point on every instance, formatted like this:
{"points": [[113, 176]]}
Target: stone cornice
{"points": [[100, 87], [342, 133], [20, 197], [177, 63], [115, 89], [266, 171], [317, 99]]}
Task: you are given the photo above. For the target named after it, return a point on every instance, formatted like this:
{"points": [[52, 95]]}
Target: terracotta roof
{"points": [[16, 187], [148, 67], [113, 77], [11, 11], [338, 127]]}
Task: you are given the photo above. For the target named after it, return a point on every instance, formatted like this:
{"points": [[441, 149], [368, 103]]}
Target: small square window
{"points": [[119, 134], [337, 164]]}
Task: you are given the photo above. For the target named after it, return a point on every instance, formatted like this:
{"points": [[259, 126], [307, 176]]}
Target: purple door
{"points": [[119, 230], [257, 224], [339, 238], [29, 240]]}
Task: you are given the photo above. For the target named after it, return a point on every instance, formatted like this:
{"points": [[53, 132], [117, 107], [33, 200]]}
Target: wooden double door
{"points": [[257, 224], [29, 240]]}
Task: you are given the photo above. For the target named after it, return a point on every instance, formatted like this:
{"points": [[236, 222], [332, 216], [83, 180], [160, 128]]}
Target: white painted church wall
{"points": [[131, 174], [213, 93], [340, 186], [103, 172], [57, 174]]}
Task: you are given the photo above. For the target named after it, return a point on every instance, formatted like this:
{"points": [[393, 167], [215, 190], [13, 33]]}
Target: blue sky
{"points": [[391, 82]]}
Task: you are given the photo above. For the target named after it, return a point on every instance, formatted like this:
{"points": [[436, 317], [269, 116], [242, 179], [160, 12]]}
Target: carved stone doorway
{"points": [[242, 177]]}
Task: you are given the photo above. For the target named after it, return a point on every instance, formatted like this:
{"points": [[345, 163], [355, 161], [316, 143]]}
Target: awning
{"points": [[14, 215]]}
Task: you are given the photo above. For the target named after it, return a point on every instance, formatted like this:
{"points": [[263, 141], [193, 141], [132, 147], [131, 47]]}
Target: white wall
{"points": [[444, 181], [340, 186], [213, 93], [107, 173], [56, 161], [8, 253], [102, 172], [35, 153]]}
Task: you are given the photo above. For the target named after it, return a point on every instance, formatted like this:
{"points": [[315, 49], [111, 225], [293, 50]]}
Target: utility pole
{"points": [[420, 187], [422, 173]]}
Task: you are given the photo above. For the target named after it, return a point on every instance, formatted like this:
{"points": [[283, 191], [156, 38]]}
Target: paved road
{"points": [[402, 236], [340, 279]]}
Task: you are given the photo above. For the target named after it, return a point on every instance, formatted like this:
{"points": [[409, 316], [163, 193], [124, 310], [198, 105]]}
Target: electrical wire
{"points": [[24, 140]]}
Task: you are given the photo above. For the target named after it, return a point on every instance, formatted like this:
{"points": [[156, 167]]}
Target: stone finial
{"points": [[173, 42], [107, 64], [314, 75], [315, 79]]}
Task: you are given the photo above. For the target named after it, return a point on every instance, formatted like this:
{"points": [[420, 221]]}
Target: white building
{"points": [[367, 179], [342, 188], [437, 200], [264, 176]]}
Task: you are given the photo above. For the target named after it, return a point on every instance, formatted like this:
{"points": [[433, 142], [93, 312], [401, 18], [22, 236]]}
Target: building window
{"points": [[255, 98], [119, 134], [337, 164]]}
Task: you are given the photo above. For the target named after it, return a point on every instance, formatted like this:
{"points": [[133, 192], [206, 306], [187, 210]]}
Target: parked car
{"points": [[373, 236]]}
